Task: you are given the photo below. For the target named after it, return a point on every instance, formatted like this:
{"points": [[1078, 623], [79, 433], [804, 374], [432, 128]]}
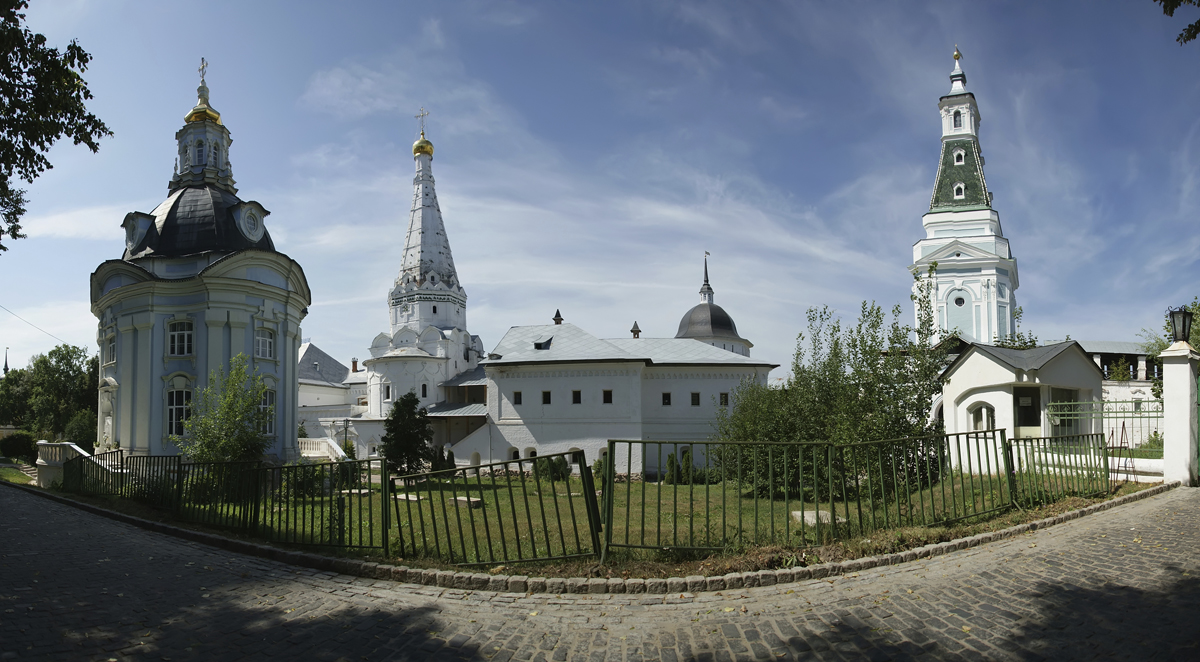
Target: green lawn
{"points": [[14, 476]]}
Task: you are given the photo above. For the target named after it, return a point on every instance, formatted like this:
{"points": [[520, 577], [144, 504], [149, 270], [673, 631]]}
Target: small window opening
{"points": [[666, 399], [435, 310], [424, 390], [958, 158], [387, 392], [959, 191], [576, 397], [957, 119], [545, 397], [516, 397], [724, 399], [695, 399], [960, 302], [608, 397]]}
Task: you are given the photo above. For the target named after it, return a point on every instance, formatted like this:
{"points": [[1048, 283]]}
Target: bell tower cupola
{"points": [[973, 295], [203, 146]]}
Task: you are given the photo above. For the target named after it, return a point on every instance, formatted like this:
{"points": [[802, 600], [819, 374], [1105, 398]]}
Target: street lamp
{"points": [[1181, 323]]}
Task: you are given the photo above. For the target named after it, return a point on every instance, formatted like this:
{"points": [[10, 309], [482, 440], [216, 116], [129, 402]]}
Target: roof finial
{"points": [[558, 318], [422, 146], [203, 68], [958, 79], [706, 290], [421, 117], [637, 333], [706, 254], [957, 55], [203, 111]]}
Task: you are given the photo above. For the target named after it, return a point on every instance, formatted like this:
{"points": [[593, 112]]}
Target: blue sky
{"points": [[589, 153]]}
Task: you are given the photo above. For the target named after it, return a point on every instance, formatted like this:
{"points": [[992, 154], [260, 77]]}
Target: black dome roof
{"points": [[707, 320], [196, 219]]}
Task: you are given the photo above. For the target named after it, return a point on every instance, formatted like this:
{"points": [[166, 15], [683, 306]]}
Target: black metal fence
{"points": [[95, 475], [341, 505], [541, 508], [1046, 469]]}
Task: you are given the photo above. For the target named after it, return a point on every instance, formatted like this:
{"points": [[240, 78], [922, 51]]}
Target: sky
{"points": [[588, 154]]}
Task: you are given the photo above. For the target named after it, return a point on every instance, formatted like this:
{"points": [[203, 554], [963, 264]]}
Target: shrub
{"points": [[81, 430], [551, 468], [20, 445]]}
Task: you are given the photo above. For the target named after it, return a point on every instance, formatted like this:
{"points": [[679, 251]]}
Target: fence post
{"points": [[178, 485], [1010, 470], [1179, 413], [385, 485]]}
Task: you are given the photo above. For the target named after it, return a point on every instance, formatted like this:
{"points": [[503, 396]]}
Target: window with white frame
{"points": [[960, 191], [179, 402], [110, 349], [267, 404], [983, 417], [264, 343], [179, 338]]}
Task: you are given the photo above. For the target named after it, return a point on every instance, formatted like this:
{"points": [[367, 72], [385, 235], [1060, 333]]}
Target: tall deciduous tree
{"points": [[42, 99], [228, 421], [407, 436], [1191, 31], [62, 382]]}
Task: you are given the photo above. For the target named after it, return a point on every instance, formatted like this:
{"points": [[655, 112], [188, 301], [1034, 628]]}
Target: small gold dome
{"points": [[423, 146], [203, 112]]}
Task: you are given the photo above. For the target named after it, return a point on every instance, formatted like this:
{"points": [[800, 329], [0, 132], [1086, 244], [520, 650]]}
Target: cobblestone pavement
{"points": [[1121, 584]]}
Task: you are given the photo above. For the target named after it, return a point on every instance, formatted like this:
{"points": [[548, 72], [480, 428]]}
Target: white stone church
{"points": [[543, 389]]}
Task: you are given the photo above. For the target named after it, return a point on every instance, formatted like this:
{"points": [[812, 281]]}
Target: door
{"points": [[1027, 412]]}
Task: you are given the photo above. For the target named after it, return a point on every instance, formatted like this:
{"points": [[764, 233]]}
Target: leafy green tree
{"points": [[869, 381], [14, 398], [301, 431], [1119, 371], [227, 421], [61, 383], [1191, 31], [407, 437], [81, 429], [1018, 339], [42, 99]]}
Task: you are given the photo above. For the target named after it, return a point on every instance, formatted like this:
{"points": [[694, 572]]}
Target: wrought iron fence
{"points": [[224, 494], [1132, 424], [340, 504], [1047, 469], [503, 512], [716, 495], [153, 479], [95, 475]]}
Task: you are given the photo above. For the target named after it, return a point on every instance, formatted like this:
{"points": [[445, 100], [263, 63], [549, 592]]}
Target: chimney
{"points": [[558, 318], [637, 333], [354, 365]]}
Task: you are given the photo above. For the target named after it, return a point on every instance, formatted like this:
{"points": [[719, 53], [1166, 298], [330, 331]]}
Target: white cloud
{"points": [[98, 222]]}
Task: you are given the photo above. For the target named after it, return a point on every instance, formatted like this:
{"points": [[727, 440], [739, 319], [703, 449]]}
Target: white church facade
{"points": [[544, 389], [200, 282]]}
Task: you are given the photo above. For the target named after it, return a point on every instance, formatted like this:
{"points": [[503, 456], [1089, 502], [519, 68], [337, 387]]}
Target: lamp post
{"points": [[1181, 323]]}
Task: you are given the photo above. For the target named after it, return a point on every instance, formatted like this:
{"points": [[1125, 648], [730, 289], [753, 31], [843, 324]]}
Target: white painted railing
{"points": [[325, 448]]}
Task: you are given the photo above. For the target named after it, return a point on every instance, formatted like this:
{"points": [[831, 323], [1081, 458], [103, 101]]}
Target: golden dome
{"points": [[203, 112], [423, 146]]}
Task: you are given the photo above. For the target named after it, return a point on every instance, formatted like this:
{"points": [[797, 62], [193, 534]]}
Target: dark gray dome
{"points": [[707, 320], [198, 219]]}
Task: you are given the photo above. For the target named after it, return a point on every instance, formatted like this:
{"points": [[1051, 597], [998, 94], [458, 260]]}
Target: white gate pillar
{"points": [[1179, 413]]}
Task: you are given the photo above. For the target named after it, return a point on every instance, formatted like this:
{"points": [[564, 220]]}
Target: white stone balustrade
{"points": [[324, 448], [51, 457]]}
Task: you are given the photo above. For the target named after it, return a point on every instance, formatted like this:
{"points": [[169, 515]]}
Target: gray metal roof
{"points": [[446, 409], [707, 320], [475, 377], [317, 366], [1019, 359], [194, 220], [1111, 347], [567, 343]]}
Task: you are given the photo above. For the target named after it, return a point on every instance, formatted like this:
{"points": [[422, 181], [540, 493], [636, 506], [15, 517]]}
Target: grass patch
{"points": [[14, 476]]}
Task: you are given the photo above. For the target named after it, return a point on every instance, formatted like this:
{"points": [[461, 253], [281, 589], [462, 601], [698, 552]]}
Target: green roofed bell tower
{"points": [[976, 273]]}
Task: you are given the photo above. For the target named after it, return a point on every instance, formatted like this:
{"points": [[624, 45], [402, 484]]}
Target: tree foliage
{"points": [[227, 421], [870, 381], [55, 388], [1018, 339], [407, 437], [1192, 30], [42, 99]]}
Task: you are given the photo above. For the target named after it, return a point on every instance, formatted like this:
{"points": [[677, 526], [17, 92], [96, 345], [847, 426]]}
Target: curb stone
{"points": [[557, 585]]}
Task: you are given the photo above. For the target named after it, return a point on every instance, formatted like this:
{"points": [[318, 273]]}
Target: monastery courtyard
{"points": [[1118, 584]]}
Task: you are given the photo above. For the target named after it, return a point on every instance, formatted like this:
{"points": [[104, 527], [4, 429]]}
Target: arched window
{"points": [[958, 119], [983, 417], [960, 191], [424, 390], [514, 454], [179, 402], [200, 153], [959, 157], [267, 404]]}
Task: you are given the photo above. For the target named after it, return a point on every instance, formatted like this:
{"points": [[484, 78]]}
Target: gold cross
{"points": [[421, 116], [203, 68]]}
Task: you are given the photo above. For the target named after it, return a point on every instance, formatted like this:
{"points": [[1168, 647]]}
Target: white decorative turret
{"points": [[203, 146], [427, 291], [960, 113]]}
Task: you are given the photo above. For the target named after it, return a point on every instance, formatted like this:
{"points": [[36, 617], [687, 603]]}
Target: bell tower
{"points": [[973, 294]]}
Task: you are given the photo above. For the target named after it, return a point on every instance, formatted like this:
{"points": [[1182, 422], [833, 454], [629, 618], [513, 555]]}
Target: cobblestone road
{"points": [[1121, 584]]}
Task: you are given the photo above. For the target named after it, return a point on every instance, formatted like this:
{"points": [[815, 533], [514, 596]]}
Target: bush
{"points": [[81, 430], [20, 445], [551, 468]]}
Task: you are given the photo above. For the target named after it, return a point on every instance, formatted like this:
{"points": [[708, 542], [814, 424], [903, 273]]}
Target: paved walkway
{"points": [[1121, 584]]}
